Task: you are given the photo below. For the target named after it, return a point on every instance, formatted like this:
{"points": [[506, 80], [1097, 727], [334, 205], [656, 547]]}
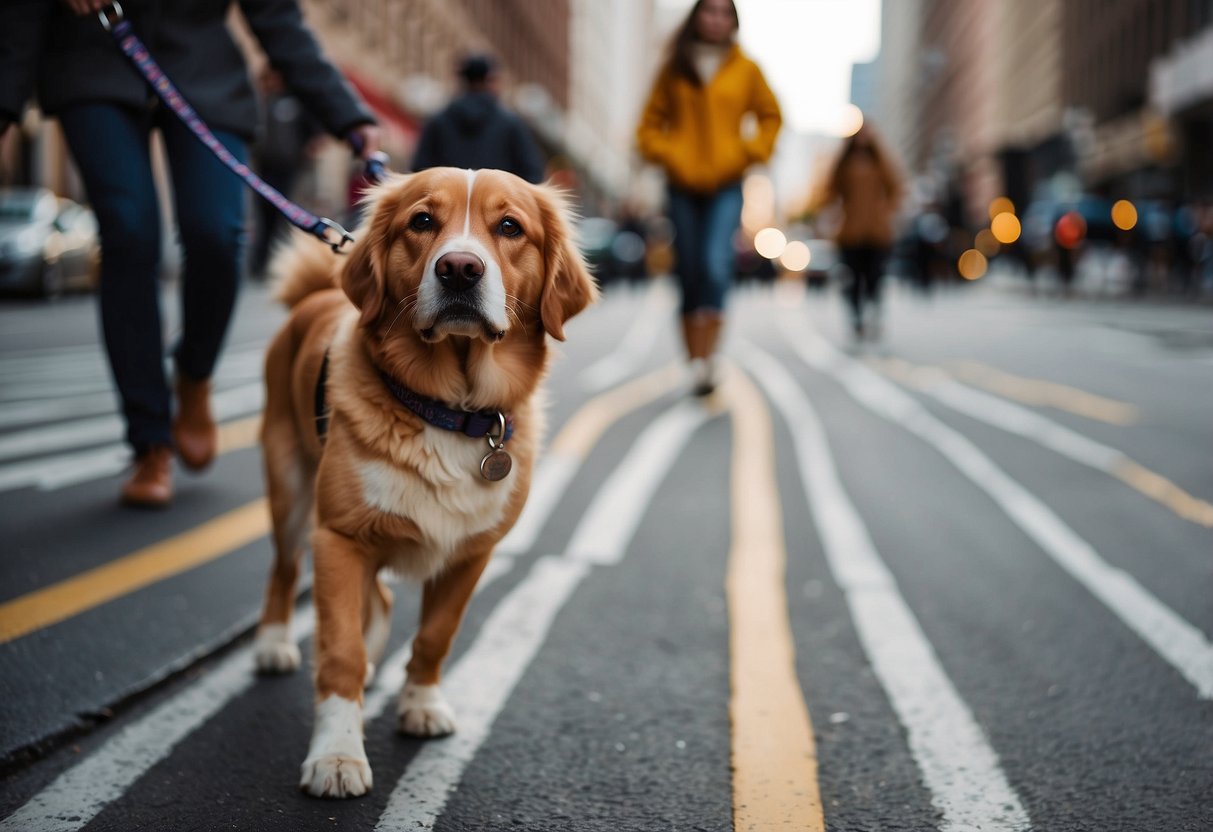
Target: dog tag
{"points": [[496, 465]]}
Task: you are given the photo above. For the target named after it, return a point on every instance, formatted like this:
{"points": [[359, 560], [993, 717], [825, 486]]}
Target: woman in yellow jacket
{"points": [[692, 126]]}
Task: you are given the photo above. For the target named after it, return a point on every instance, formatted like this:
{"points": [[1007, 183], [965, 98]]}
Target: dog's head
{"points": [[482, 255]]}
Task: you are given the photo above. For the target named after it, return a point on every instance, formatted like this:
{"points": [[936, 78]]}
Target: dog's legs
{"points": [[422, 710], [376, 624], [290, 488], [336, 764]]}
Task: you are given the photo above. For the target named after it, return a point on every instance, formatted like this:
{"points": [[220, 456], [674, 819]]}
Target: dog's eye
{"points": [[509, 227], [421, 222]]}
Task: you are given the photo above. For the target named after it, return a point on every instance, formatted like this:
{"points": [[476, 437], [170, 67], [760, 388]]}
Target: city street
{"points": [[956, 579]]}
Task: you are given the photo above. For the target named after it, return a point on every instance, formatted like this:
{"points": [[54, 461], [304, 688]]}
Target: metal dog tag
{"points": [[496, 465]]}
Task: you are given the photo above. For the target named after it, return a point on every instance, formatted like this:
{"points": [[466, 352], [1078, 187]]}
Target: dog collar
{"points": [[474, 423]]}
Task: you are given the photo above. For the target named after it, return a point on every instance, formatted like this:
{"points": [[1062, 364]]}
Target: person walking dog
{"points": [[692, 127], [108, 111]]}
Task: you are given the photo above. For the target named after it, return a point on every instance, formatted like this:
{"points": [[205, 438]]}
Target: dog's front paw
{"points": [[336, 775], [336, 764], [423, 711], [274, 651]]}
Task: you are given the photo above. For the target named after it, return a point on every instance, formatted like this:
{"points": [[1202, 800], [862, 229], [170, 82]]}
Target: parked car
{"points": [[823, 258], [48, 245], [595, 236]]}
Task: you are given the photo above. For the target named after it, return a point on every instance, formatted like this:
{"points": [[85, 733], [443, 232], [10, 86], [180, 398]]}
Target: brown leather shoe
{"points": [[194, 430], [151, 483]]}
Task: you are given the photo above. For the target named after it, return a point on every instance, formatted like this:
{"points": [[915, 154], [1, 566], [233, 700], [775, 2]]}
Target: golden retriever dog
{"points": [[401, 425]]}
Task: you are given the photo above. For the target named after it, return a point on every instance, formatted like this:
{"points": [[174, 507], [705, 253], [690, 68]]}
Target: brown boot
{"points": [[151, 483], [194, 430]]}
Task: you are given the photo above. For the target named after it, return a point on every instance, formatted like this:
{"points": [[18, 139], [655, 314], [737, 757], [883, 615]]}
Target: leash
{"points": [[328, 231]]}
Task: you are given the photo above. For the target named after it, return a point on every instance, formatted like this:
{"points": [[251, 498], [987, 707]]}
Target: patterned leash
{"points": [[328, 231]]}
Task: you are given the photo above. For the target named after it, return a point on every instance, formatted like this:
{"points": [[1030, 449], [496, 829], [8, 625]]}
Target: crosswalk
{"points": [[59, 420], [953, 745]]}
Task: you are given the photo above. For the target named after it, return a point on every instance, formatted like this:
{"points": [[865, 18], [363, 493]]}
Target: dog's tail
{"points": [[301, 267]]}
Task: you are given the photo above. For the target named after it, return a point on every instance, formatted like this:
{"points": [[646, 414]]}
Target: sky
{"points": [[805, 49]]}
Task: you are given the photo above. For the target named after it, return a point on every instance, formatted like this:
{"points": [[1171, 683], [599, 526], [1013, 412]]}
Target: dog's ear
{"points": [[568, 286], [362, 279], [362, 282]]}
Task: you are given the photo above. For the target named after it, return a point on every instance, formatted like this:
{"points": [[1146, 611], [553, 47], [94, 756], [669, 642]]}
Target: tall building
{"points": [[901, 76], [1009, 97], [1138, 74]]}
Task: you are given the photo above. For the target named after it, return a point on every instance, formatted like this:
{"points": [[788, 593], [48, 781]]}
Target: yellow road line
{"points": [[1149, 483], [1162, 490], [222, 535], [1046, 393], [773, 753], [240, 434], [587, 425], [154, 563]]}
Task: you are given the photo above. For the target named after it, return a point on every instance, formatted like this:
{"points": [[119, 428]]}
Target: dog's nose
{"points": [[459, 271]]}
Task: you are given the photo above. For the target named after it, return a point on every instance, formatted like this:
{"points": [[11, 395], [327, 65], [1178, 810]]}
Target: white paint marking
{"points": [[637, 343], [1182, 645], [81, 792], [60, 470], [480, 684], [604, 532], [958, 765], [552, 477], [1023, 422], [478, 688]]}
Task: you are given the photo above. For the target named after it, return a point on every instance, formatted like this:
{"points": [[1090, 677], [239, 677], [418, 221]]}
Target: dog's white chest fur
{"points": [[439, 487]]}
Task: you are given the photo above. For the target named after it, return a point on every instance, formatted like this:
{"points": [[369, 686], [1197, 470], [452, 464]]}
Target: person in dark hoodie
{"points": [[108, 113], [476, 131]]}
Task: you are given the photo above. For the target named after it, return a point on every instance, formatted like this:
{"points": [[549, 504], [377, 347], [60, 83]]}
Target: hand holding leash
{"points": [[364, 139]]}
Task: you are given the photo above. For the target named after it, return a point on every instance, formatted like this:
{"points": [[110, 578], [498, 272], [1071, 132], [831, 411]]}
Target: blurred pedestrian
{"points": [[284, 137], [107, 112], [692, 126], [476, 130], [866, 183]]}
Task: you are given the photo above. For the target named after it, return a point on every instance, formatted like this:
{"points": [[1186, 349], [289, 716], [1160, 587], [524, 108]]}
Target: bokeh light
{"points": [[1006, 228], [770, 243], [1070, 230], [986, 242], [850, 120], [1124, 215], [1002, 205], [796, 256], [972, 264]]}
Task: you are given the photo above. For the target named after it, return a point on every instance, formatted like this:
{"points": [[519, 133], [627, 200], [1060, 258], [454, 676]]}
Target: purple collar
{"points": [[474, 423]]}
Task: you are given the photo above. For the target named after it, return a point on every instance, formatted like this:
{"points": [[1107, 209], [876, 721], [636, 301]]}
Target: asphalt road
{"points": [[957, 579]]}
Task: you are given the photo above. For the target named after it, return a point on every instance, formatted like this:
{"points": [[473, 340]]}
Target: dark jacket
{"points": [[475, 131], [73, 60]]}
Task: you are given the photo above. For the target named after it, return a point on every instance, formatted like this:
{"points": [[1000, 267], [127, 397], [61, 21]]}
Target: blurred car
{"points": [[613, 250], [48, 245], [595, 235], [823, 257]]}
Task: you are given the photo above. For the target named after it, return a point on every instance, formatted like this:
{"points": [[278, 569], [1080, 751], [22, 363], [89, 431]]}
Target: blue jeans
{"points": [[110, 144], [704, 226]]}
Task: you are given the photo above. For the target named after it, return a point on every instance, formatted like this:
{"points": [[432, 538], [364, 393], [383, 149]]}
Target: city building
{"points": [[1139, 74]]}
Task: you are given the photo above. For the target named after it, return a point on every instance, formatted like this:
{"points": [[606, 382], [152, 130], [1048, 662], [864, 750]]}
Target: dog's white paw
{"points": [[336, 776], [274, 651], [370, 675], [336, 764], [424, 712]]}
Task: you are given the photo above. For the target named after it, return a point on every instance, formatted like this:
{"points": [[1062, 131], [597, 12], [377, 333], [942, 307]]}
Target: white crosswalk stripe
{"points": [[957, 763], [1178, 642]]}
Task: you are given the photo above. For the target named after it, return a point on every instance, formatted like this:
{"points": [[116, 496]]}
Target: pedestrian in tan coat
{"points": [[867, 184]]}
